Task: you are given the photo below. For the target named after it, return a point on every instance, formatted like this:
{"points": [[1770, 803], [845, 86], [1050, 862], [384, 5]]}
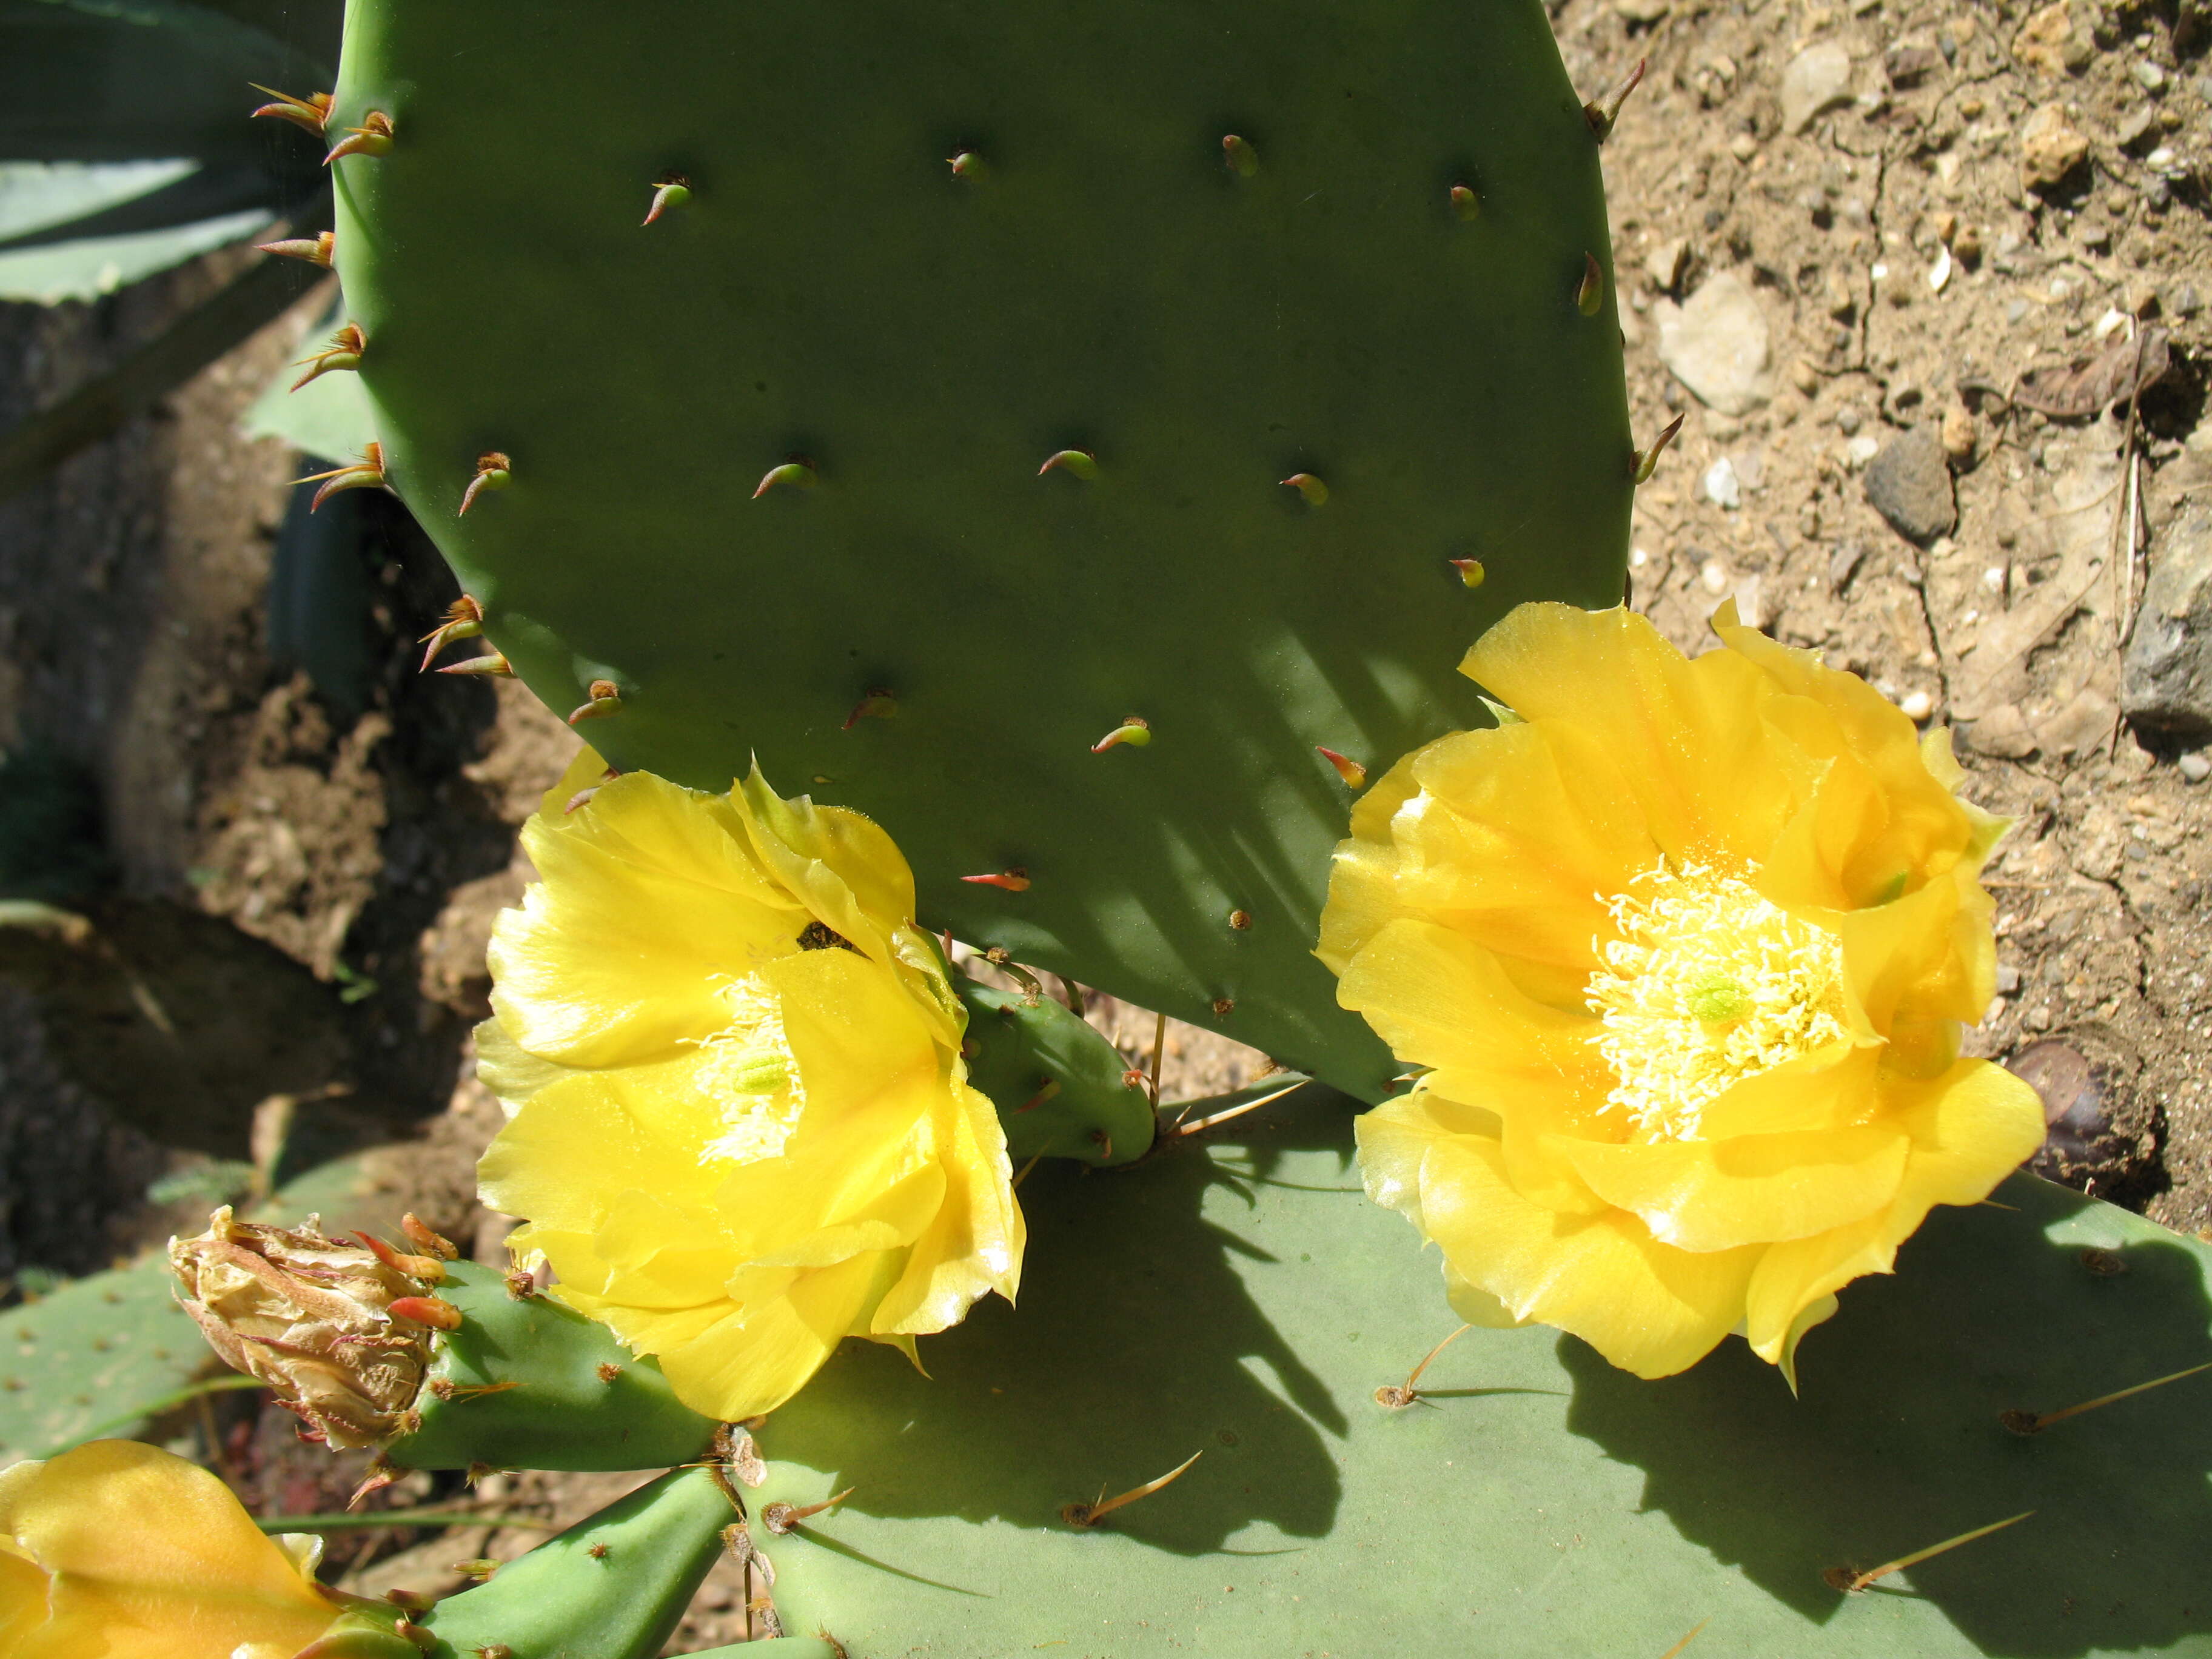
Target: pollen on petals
{"points": [[1707, 983]]}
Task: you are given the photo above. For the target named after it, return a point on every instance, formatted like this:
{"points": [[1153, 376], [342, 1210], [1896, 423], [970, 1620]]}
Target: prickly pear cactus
{"points": [[93, 1356], [991, 383]]}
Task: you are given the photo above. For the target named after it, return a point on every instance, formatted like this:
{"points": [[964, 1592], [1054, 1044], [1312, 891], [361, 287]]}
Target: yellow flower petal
{"points": [[650, 900], [1753, 1189], [1645, 1306], [138, 1554]]}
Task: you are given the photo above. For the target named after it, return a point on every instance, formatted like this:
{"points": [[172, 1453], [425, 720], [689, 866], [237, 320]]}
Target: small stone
{"points": [[2044, 39], [2134, 127], [2195, 766], [2008, 978], [1844, 564], [1849, 419], [2149, 77], [1909, 483], [1816, 80], [1804, 376], [1718, 344], [1743, 147], [2165, 681], [1908, 66], [2001, 732], [1862, 449], [2049, 147], [1642, 11], [1663, 263], [1967, 245], [2181, 300], [1958, 433], [2080, 725], [1714, 575], [1917, 706], [1722, 489]]}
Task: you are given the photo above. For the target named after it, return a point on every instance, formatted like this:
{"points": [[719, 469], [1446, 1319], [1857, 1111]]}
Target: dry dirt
{"points": [[1902, 259]]}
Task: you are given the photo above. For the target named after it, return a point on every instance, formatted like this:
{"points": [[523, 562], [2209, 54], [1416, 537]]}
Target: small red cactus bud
{"points": [[480, 1569], [1591, 294], [493, 472], [344, 352], [315, 250], [605, 699], [496, 664], [1310, 489], [608, 1370], [1013, 881], [366, 473], [410, 1600], [434, 1311], [1465, 203], [1471, 572], [1243, 160], [597, 1551], [1134, 1078], [313, 111], [968, 165], [1347, 769], [670, 190], [1080, 462], [372, 138], [1136, 731], [795, 475]]}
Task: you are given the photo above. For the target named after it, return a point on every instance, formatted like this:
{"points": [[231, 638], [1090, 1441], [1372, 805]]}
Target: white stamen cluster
{"points": [[1706, 983], [753, 1077]]}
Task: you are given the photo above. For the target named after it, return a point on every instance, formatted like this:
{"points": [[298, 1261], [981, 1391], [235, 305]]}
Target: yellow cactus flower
{"points": [[742, 1130], [123, 1551], [1685, 947]]}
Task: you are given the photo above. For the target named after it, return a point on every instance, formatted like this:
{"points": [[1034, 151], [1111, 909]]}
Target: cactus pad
{"points": [[993, 375], [1534, 1500]]}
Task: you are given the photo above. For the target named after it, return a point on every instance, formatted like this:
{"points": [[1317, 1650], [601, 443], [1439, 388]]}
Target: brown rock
{"points": [[2045, 42], [2049, 147], [1959, 434]]}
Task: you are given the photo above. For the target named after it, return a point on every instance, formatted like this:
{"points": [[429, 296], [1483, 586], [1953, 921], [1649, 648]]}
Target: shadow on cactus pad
{"points": [[1238, 1296]]}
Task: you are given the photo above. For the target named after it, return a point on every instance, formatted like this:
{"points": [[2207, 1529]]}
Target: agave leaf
{"points": [[1242, 1298]]}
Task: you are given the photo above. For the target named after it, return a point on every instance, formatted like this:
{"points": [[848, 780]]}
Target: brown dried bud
{"points": [[310, 1318]]}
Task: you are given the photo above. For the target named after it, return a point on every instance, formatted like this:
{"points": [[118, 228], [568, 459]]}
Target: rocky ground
{"points": [[1926, 283]]}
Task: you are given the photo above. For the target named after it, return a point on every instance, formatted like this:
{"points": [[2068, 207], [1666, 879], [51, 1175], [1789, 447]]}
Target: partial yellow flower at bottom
{"points": [[1686, 946], [742, 1130], [120, 1551]]}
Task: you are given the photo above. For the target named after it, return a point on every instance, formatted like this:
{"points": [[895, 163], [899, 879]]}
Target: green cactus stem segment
{"points": [[315, 250], [373, 136], [670, 190], [496, 664], [614, 1586], [528, 1384], [1014, 1040], [493, 472], [1311, 490], [1353, 774], [1078, 463], [794, 475], [1590, 295], [365, 474], [344, 352], [1243, 160], [464, 621], [1647, 460], [312, 112], [1134, 732], [1604, 113]]}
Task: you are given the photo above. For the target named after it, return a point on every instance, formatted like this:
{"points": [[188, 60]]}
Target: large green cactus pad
{"points": [[1099, 279], [1536, 1502]]}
